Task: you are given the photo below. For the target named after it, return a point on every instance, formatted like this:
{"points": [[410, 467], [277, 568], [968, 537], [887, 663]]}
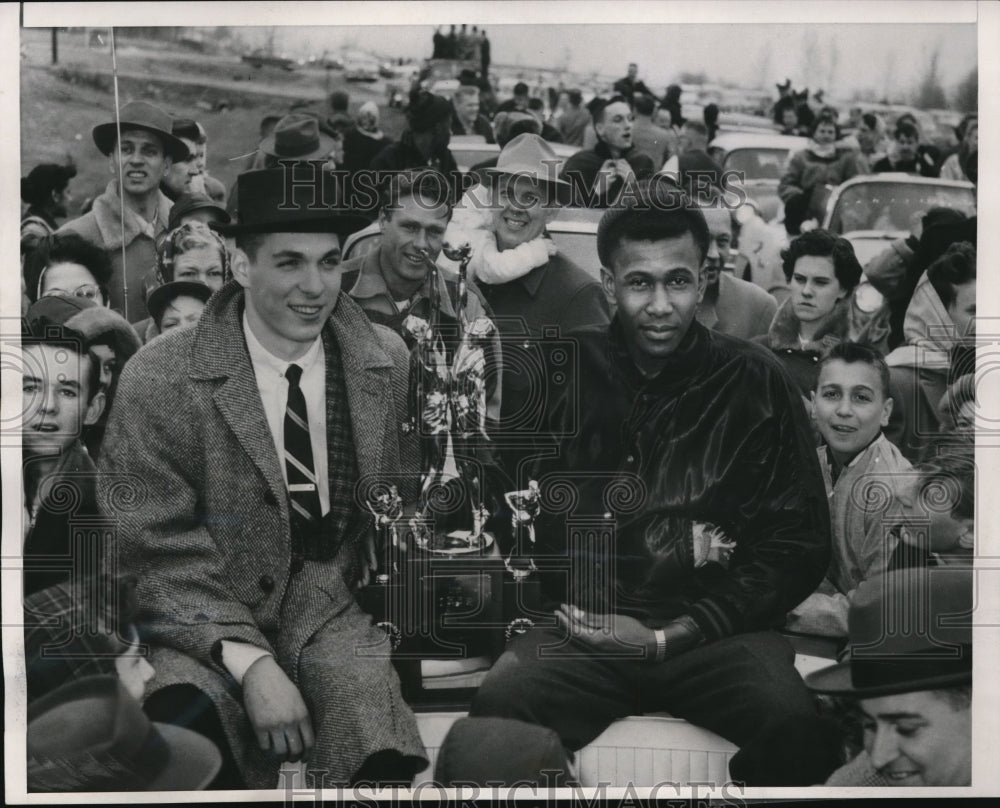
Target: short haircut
{"points": [[250, 243], [644, 105], [60, 336], [857, 353], [430, 185], [597, 111], [658, 211], [955, 268], [697, 127], [824, 244], [520, 88], [906, 129], [871, 120], [466, 90], [824, 118], [575, 97], [66, 248], [949, 475]]}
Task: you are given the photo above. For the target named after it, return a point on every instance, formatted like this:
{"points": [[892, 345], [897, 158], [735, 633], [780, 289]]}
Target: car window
{"points": [[757, 164], [894, 205]]}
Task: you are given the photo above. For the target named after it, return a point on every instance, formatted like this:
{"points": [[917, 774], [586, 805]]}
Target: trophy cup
{"points": [[525, 506], [387, 508]]}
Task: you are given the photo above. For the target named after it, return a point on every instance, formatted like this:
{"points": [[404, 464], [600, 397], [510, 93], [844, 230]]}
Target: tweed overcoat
{"points": [[190, 475]]}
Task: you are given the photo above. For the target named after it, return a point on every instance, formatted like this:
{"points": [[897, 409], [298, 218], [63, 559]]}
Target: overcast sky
{"points": [[855, 56]]}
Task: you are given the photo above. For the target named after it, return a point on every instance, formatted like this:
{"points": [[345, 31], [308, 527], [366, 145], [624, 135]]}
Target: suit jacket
{"points": [[206, 525], [741, 309]]}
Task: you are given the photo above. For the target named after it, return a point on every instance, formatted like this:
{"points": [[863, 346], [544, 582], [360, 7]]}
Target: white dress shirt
{"points": [[270, 370]]}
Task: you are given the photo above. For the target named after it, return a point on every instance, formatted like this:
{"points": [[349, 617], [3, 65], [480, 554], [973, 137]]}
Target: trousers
{"points": [[738, 687]]}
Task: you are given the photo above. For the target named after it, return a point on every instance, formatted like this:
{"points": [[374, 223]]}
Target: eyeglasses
{"points": [[88, 290]]}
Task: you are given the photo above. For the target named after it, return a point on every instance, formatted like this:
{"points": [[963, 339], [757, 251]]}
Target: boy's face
{"points": [[918, 739], [849, 407], [54, 406]]}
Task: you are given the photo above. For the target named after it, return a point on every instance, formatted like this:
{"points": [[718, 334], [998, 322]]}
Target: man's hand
{"points": [[276, 711], [624, 168], [606, 175], [614, 633]]}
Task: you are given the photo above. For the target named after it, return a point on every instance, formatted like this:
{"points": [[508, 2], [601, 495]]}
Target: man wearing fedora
{"points": [[297, 136], [143, 158], [530, 297], [247, 535], [909, 679]]}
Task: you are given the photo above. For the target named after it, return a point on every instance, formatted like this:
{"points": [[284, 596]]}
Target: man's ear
{"points": [[95, 408], [886, 411], [240, 266], [608, 284]]}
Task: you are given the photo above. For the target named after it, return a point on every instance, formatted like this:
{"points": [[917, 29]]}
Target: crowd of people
{"points": [[208, 376]]}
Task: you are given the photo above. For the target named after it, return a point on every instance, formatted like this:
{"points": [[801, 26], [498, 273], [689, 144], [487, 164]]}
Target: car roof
{"points": [[757, 140]]}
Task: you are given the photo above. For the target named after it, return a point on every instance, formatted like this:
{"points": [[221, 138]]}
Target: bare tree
{"points": [[967, 92], [930, 93]]}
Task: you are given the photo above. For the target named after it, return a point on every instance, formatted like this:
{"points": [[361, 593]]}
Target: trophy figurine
{"points": [[387, 508], [525, 506]]}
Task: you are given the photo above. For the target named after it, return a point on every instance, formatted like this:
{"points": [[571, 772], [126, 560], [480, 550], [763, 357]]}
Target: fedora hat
{"points": [[294, 198], [908, 630], [190, 202], [141, 115], [91, 735], [297, 136], [528, 155]]}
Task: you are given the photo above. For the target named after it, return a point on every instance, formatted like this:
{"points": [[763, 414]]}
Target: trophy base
{"points": [[457, 542]]}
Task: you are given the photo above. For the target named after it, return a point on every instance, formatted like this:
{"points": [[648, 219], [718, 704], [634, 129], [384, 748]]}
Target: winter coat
{"points": [[806, 173], [717, 436], [580, 170], [190, 476], [103, 227]]}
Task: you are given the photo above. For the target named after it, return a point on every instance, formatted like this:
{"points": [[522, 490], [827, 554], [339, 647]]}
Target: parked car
{"points": [[760, 157], [361, 71], [574, 231], [259, 59], [874, 209]]}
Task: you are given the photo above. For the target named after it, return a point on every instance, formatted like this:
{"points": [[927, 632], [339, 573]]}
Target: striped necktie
{"points": [[302, 488]]}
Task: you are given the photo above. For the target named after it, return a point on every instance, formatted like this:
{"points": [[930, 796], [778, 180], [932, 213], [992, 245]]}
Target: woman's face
{"points": [[69, 279], [202, 264], [815, 288], [825, 133]]}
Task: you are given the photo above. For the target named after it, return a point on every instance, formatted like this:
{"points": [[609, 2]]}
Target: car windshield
{"points": [[894, 206], [757, 164]]}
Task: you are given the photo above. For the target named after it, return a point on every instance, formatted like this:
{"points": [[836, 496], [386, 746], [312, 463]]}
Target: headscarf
{"points": [[170, 249]]}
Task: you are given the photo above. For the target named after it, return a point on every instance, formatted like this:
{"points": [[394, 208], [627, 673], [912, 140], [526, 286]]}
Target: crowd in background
{"points": [[882, 355]]}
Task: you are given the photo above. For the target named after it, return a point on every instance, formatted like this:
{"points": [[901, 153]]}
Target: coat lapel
{"points": [[220, 351]]}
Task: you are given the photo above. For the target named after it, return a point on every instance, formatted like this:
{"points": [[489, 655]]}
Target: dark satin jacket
{"points": [[719, 436]]}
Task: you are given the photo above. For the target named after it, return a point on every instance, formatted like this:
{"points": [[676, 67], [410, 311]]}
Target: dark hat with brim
{"points": [[91, 735], [908, 631], [188, 203], [297, 197], [141, 115], [297, 136], [160, 297]]}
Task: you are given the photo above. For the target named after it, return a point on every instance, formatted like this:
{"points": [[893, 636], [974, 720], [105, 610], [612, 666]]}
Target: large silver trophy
{"points": [[449, 413]]}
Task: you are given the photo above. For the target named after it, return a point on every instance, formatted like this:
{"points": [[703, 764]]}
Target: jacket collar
{"points": [[219, 350], [784, 330], [682, 363], [108, 217], [371, 283]]}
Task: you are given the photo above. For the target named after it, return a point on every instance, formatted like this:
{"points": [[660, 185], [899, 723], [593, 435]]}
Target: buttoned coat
{"points": [[205, 525]]}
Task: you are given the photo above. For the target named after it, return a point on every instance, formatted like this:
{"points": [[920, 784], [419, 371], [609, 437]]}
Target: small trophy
{"points": [[525, 506], [387, 508]]}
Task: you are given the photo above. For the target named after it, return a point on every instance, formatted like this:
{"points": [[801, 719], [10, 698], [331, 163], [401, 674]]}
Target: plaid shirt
{"points": [[60, 645]]}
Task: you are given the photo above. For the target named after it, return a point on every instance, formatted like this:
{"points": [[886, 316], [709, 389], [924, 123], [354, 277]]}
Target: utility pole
{"points": [[55, 46]]}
